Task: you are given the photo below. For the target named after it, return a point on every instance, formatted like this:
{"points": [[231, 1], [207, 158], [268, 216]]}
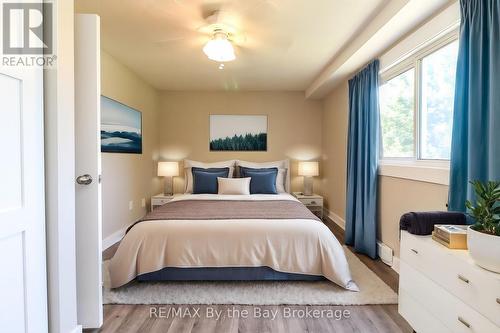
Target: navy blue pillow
{"points": [[263, 180], [205, 180]]}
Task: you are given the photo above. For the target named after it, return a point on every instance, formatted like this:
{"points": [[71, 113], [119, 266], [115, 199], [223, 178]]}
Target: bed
{"points": [[230, 237]]}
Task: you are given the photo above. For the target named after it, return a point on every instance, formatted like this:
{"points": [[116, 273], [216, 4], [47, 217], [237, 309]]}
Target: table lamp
{"points": [[168, 170], [308, 170]]}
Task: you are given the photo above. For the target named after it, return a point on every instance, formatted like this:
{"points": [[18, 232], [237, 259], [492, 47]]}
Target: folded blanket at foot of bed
{"points": [[422, 223]]}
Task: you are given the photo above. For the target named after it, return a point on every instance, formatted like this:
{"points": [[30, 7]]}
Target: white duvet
{"points": [[292, 246]]}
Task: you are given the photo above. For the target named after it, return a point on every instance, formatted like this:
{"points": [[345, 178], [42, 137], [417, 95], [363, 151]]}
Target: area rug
{"points": [[372, 291]]}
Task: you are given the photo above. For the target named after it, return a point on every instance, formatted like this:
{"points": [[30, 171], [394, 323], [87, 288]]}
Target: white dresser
{"points": [[442, 290]]}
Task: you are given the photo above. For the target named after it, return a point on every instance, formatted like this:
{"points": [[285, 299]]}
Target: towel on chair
{"points": [[422, 223]]}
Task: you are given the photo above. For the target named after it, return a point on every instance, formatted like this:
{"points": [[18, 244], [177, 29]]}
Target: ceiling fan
{"points": [[220, 47], [220, 32]]}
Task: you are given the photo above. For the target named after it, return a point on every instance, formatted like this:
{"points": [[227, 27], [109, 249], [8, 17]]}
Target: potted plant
{"points": [[483, 237]]}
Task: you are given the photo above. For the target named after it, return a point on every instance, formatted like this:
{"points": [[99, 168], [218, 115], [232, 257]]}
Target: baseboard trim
{"points": [[336, 219], [115, 237]]}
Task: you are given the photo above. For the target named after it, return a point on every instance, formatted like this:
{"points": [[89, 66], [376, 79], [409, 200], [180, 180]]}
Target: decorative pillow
{"points": [[234, 185], [205, 180], [281, 179], [263, 181], [188, 175]]}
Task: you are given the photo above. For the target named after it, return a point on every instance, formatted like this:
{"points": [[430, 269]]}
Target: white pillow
{"points": [[188, 175], [281, 178], [281, 181], [234, 185]]}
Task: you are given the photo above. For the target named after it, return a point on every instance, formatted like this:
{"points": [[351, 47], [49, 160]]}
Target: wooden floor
{"points": [[192, 318]]}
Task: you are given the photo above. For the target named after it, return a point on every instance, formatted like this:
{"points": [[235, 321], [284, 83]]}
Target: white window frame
{"points": [[416, 168]]}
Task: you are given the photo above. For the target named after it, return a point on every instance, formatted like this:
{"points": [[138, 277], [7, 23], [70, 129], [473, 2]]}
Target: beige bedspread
{"points": [[228, 210], [304, 246]]}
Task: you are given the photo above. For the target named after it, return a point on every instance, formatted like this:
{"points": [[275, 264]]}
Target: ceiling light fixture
{"points": [[219, 48]]}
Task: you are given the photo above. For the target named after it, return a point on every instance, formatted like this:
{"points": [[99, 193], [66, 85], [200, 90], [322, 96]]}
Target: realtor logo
{"points": [[27, 28]]}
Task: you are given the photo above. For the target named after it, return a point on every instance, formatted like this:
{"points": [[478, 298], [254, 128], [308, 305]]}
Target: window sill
{"points": [[436, 172]]}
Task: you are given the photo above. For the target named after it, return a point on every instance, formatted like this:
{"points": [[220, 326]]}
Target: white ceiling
{"points": [[288, 42], [393, 22]]}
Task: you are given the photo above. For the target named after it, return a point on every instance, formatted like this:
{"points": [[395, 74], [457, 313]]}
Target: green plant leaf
{"points": [[486, 209]]}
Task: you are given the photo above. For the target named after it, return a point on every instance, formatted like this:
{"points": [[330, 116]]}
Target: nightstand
{"points": [[313, 202], [159, 200]]}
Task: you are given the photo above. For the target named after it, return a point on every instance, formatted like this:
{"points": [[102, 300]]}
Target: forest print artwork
{"points": [[238, 133]]}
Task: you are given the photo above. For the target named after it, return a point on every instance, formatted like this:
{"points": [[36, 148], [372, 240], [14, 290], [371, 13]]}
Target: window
{"points": [[436, 111], [397, 105], [416, 105]]}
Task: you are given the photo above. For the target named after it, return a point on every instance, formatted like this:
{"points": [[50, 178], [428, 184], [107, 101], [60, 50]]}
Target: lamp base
{"points": [[168, 186], [308, 185]]}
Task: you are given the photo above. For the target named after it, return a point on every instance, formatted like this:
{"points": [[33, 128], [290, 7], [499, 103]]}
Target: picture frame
{"points": [[121, 128], [238, 132]]}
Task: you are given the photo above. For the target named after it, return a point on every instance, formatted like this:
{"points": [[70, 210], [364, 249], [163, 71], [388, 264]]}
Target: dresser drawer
{"points": [[415, 253], [453, 271], [473, 286], [312, 201], [457, 316], [414, 313]]}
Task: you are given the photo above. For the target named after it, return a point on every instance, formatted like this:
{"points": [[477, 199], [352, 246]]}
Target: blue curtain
{"points": [[362, 160], [475, 148]]}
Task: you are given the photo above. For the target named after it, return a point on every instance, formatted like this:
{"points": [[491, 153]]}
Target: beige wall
{"points": [[129, 177], [294, 127], [334, 131], [396, 196]]}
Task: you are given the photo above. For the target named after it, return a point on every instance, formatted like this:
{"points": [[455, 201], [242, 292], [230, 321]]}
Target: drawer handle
{"points": [[466, 324], [463, 278], [414, 251], [313, 202], [498, 300]]}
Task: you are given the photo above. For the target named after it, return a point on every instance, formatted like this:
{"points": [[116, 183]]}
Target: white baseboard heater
{"points": [[385, 253]]}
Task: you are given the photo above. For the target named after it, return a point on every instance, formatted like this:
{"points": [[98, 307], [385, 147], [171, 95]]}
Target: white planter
{"points": [[484, 249]]}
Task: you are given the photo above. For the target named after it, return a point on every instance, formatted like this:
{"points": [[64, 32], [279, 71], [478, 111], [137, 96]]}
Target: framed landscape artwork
{"points": [[121, 128], [238, 133]]}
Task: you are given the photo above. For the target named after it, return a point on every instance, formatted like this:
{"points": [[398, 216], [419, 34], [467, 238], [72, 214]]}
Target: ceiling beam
{"points": [[395, 20]]}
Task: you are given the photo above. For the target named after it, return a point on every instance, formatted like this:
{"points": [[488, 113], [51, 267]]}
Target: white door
{"points": [[88, 170], [23, 283]]}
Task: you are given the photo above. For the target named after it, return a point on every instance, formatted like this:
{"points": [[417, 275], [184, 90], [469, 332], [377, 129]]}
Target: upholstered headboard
{"points": [[282, 164]]}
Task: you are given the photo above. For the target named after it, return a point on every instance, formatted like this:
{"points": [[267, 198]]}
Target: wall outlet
{"points": [[143, 202], [131, 205]]}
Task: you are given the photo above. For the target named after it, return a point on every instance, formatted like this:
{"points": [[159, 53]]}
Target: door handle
{"points": [[84, 179]]}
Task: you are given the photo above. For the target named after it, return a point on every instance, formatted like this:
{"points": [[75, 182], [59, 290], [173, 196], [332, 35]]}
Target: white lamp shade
{"points": [[168, 169], [309, 169]]}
